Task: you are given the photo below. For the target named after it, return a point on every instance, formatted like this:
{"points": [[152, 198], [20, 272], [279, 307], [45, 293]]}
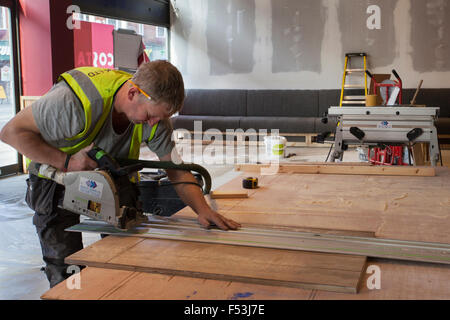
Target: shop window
{"points": [[98, 49]]}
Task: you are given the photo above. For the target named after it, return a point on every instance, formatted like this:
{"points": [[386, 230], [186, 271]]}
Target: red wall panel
{"points": [[35, 47], [46, 44]]}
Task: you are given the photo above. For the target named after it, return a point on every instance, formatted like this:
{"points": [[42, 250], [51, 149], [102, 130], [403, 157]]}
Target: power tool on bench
{"points": [[108, 195]]}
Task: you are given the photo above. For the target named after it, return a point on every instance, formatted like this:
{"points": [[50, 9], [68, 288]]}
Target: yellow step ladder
{"points": [[350, 70]]}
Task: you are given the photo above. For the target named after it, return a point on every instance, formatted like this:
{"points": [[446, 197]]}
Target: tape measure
{"points": [[250, 183]]}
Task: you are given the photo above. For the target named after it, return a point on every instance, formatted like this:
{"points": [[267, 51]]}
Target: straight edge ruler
{"points": [[186, 229]]}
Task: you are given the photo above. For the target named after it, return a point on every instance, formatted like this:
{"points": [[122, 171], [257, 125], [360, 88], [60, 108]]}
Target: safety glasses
{"points": [[142, 91]]}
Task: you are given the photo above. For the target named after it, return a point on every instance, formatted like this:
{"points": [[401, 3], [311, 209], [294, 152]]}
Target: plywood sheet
{"points": [[399, 280], [94, 285], [406, 208], [403, 208], [288, 268], [110, 284]]}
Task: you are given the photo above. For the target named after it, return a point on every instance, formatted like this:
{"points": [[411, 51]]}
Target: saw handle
{"points": [[106, 162], [170, 165], [396, 75], [103, 159], [393, 71]]}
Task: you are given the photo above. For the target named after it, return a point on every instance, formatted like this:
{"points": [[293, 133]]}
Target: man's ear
{"points": [[132, 93]]}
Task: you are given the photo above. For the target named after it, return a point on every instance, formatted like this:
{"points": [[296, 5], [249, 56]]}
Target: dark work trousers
{"points": [[50, 222]]}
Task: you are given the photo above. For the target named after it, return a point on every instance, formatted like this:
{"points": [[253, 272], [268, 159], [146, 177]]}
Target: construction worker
{"points": [[114, 110]]}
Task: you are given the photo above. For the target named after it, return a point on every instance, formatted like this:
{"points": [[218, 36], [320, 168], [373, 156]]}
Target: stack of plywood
{"points": [[412, 208]]}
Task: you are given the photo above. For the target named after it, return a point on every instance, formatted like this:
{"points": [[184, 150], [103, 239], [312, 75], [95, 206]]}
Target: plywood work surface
{"points": [[393, 207], [265, 266], [398, 280], [404, 208]]}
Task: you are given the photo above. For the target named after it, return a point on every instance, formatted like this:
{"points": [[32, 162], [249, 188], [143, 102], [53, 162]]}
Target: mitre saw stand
{"points": [[376, 126]]}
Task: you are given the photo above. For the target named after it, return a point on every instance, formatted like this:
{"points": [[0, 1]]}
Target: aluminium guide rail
{"points": [[186, 229]]}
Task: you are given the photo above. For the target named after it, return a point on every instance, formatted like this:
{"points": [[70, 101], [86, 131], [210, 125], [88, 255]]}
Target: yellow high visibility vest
{"points": [[96, 88]]}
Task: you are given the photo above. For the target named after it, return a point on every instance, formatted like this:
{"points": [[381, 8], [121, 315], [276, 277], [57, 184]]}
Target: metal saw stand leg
{"points": [[434, 147], [338, 150]]}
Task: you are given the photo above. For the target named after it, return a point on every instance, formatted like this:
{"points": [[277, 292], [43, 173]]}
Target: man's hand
{"points": [[194, 198], [80, 161], [209, 217]]}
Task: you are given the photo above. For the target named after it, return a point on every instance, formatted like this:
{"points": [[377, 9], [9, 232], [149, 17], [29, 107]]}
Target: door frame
{"points": [[14, 19]]}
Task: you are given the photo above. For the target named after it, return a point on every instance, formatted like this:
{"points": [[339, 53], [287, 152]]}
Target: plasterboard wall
{"points": [[300, 44]]}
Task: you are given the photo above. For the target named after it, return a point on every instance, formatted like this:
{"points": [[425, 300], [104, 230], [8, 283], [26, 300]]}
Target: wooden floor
{"points": [[392, 207]]}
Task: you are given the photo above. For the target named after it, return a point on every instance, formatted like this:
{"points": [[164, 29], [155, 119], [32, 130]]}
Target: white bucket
{"points": [[275, 147]]}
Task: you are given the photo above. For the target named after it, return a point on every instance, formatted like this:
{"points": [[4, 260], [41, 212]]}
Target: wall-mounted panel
{"points": [[301, 44], [430, 36], [368, 26], [297, 34], [230, 35]]}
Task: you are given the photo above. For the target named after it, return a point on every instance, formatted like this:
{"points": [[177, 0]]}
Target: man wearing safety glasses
{"points": [[115, 111]]}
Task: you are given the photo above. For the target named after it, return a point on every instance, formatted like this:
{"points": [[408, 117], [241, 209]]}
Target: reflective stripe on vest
{"points": [[95, 88], [136, 140], [135, 145]]}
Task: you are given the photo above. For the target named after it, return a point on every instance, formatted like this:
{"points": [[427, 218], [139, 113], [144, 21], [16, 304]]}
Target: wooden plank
{"points": [[94, 285], [110, 284], [180, 133], [393, 207], [251, 143], [229, 194], [364, 163], [107, 248], [341, 169], [399, 280], [26, 101], [202, 137], [446, 157], [288, 268], [418, 154]]}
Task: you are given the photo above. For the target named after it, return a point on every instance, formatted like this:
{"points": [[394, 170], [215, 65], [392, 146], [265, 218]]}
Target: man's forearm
{"points": [[22, 133], [190, 194], [34, 147]]}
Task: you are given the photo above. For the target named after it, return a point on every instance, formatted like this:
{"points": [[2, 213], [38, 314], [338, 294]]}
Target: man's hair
{"points": [[162, 81]]}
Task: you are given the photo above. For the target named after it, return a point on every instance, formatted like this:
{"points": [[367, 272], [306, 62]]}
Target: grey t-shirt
{"points": [[59, 115]]}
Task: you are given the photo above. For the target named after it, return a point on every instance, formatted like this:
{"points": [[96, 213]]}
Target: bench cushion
{"points": [[201, 102], [282, 103]]}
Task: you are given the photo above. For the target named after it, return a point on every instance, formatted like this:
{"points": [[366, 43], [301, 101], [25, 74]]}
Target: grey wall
{"points": [[300, 44]]}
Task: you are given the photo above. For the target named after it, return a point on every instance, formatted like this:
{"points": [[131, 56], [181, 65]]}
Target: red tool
{"points": [[390, 155], [387, 87]]}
